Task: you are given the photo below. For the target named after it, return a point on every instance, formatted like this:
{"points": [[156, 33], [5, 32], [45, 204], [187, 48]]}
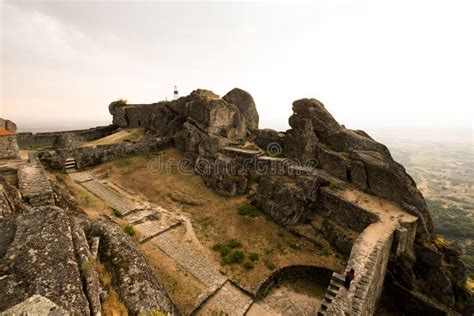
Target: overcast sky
{"points": [[371, 62]]}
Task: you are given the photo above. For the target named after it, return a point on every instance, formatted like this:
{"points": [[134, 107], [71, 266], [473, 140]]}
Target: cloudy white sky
{"points": [[372, 62]]}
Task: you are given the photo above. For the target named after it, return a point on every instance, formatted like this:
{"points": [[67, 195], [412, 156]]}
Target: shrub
{"points": [[236, 256], [87, 199], [234, 243], [116, 212], [119, 102], [222, 249], [248, 265], [226, 248], [253, 256], [270, 265], [247, 210], [129, 230]]}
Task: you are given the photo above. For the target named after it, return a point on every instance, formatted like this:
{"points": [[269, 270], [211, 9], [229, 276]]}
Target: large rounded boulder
{"points": [[244, 101]]}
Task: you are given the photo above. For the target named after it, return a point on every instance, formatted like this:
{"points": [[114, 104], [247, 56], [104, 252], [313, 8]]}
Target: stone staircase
{"points": [[337, 281], [70, 165]]}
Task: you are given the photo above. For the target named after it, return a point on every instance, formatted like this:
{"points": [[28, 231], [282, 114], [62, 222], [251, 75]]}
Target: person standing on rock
{"points": [[348, 278]]}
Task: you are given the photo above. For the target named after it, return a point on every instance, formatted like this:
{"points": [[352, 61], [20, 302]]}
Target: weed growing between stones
{"points": [[116, 212], [129, 230]]}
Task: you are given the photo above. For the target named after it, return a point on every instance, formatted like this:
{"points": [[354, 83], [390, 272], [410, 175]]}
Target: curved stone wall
{"points": [[311, 273]]}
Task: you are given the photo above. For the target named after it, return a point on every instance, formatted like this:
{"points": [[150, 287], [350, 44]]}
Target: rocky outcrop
{"points": [[288, 200], [264, 137], [117, 110], [244, 101], [8, 141], [352, 156], [8, 125], [132, 277], [10, 200], [41, 259]]}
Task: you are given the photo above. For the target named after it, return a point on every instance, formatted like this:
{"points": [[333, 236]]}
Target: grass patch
{"points": [[87, 199], [87, 265], [129, 230], [253, 256], [123, 162], [117, 213], [270, 265], [235, 257], [248, 210], [248, 265], [225, 248], [268, 251]]}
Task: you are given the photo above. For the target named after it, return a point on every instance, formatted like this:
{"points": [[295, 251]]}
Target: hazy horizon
{"points": [[376, 65]]}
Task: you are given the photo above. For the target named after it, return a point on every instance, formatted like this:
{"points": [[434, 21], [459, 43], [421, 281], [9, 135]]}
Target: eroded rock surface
{"points": [[133, 279], [41, 260]]}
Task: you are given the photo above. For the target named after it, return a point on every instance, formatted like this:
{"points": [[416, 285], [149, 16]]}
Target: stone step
{"points": [[333, 287], [321, 313], [337, 278], [331, 294]]}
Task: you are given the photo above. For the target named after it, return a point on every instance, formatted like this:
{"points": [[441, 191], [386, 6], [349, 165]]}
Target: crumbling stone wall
{"points": [[94, 155], [38, 140]]}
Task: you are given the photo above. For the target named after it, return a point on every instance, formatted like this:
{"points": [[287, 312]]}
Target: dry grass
{"points": [[112, 306], [215, 218], [129, 134], [470, 284]]}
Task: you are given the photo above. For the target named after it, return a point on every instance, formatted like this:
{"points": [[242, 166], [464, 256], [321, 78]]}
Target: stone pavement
{"points": [[190, 260], [228, 300], [110, 197], [34, 185]]}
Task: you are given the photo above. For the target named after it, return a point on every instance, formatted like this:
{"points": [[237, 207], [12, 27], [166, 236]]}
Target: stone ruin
{"points": [[316, 174], [8, 141], [300, 166]]}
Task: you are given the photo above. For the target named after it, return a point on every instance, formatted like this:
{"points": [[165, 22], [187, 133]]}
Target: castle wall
{"points": [[35, 140], [94, 155], [370, 259]]}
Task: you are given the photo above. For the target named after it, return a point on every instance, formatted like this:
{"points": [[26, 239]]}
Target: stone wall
{"points": [[8, 147], [35, 140], [368, 294], [344, 212], [312, 273], [94, 155]]}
